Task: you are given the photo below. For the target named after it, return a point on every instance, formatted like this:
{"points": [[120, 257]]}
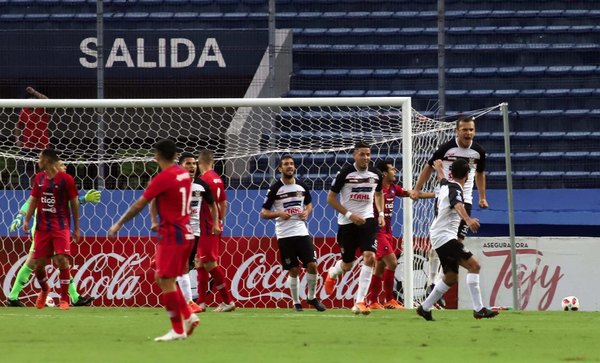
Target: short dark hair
{"points": [[382, 165], [285, 157], [51, 155], [464, 119], [361, 144], [459, 168], [185, 155], [206, 156], [166, 149]]}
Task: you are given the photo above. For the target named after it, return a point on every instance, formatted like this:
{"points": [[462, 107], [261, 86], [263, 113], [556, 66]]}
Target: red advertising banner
{"points": [[117, 272]]}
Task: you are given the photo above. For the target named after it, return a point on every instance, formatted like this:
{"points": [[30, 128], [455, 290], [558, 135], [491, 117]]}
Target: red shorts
{"points": [[208, 247], [172, 259], [50, 243], [385, 245]]}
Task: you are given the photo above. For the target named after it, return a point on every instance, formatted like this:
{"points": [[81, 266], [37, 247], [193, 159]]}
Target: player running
{"points": [[172, 189], [359, 186], [293, 204], [450, 212], [53, 199], [210, 242], [387, 262], [92, 196]]}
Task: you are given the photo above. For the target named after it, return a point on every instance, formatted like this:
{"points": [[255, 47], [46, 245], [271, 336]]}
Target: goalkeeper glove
{"points": [[17, 222], [92, 196]]}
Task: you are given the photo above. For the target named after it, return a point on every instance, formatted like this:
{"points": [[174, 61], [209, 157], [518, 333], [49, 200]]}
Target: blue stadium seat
{"points": [[326, 93], [133, 16], [460, 72], [336, 73], [360, 73], [378, 93], [12, 17], [385, 73], [310, 73], [403, 93], [552, 156], [410, 72], [481, 92], [352, 93], [300, 93]]}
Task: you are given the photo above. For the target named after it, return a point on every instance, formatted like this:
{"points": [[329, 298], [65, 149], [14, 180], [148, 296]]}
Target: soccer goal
{"points": [[107, 145]]}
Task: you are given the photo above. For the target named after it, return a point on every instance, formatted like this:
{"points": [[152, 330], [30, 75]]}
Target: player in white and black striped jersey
{"points": [[452, 253], [359, 187], [462, 147], [292, 203]]}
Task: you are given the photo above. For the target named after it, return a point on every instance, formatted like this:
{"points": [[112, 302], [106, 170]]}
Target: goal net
{"points": [[107, 145]]}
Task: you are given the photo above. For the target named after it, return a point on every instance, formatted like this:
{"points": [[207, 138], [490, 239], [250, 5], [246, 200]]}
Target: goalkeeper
{"points": [[92, 196]]}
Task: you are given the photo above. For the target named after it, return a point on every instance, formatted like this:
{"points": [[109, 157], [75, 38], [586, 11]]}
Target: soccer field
{"points": [[277, 335]]}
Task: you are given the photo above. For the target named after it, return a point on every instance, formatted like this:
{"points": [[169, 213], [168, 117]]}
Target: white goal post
{"points": [[106, 143]]}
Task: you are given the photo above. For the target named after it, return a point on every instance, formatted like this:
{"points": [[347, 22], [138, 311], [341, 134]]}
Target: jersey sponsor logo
{"points": [[361, 189], [294, 210], [360, 197]]}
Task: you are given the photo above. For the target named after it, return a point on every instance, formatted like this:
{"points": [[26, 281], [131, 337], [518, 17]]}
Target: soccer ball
{"points": [[50, 302], [570, 303]]}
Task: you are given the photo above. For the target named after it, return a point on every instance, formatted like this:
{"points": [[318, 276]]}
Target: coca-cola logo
{"points": [[107, 275], [529, 277]]}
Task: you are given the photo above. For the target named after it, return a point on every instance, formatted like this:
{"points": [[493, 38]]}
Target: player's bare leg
{"points": [[311, 281]]}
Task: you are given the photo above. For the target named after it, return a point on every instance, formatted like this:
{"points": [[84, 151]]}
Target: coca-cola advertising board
{"points": [[117, 271], [548, 269]]}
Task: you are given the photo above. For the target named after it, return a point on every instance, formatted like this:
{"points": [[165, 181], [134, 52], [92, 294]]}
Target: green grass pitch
{"points": [[112, 335]]}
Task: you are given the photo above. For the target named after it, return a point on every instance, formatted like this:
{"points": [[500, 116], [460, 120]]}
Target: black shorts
{"points": [[451, 253], [192, 265], [350, 237], [462, 227], [292, 249]]}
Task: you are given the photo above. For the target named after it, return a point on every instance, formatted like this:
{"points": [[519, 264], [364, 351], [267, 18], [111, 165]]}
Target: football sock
{"points": [[20, 282], [184, 308], [40, 275], [202, 285], [65, 279], [364, 280], [473, 282], [336, 270], [73, 290], [171, 303], [186, 286], [375, 289], [311, 281], [218, 275], [293, 281], [438, 291], [434, 265], [388, 284]]}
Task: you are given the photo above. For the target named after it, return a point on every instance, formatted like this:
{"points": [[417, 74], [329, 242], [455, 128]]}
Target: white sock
{"points": [[186, 286], [311, 281], [293, 281], [364, 281], [438, 291], [336, 270], [473, 282], [434, 265]]}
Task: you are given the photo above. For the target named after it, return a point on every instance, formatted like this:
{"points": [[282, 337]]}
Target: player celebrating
{"points": [[172, 189], [385, 268], [26, 270], [462, 147], [209, 243], [450, 211], [54, 194], [200, 192], [359, 185], [293, 204]]}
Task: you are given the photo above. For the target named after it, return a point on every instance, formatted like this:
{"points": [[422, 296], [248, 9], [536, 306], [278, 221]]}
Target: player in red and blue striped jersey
{"points": [[171, 189], [54, 195]]}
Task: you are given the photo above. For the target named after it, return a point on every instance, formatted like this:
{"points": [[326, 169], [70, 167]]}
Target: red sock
{"points": [[202, 285], [218, 276], [374, 289], [42, 279], [184, 308], [388, 284], [171, 303], [65, 279]]}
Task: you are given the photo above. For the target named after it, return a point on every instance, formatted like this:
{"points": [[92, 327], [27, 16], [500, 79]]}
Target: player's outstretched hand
{"points": [[114, 229], [483, 204], [473, 224], [17, 222], [93, 196]]}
